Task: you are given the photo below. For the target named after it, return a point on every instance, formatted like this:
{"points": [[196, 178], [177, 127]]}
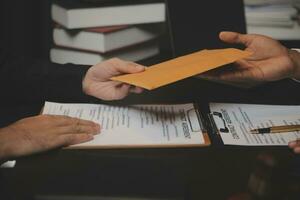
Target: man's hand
{"points": [[270, 61], [42, 133], [97, 81], [295, 145]]}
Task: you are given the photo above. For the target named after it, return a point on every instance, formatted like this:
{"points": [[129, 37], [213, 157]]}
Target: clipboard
{"points": [[219, 125], [185, 117]]}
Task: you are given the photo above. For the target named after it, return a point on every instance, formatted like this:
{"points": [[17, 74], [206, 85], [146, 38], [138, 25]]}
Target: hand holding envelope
{"points": [[182, 67]]}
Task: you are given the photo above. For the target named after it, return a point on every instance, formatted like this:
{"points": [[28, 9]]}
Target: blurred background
{"points": [[27, 27]]}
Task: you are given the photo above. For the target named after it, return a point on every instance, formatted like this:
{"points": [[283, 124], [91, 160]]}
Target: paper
{"points": [[9, 164], [137, 125], [182, 67], [234, 122]]}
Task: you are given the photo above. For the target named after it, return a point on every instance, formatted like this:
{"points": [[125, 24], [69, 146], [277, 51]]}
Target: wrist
{"points": [[85, 84], [84, 87], [86, 80], [295, 58], [4, 145]]}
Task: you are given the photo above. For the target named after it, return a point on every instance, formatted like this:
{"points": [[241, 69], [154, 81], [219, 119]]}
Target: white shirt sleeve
{"points": [[8, 164]]}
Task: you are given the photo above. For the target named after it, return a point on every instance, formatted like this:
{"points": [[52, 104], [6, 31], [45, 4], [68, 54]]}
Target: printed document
{"points": [[234, 122], [136, 125]]}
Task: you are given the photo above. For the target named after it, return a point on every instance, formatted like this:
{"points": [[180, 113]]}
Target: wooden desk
{"points": [[212, 172]]}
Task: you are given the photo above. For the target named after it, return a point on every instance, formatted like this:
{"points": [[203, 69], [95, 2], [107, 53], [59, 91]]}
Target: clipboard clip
{"points": [[195, 126], [224, 129]]}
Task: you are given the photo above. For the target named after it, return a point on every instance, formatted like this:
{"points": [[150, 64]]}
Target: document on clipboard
{"points": [[138, 126], [233, 122]]}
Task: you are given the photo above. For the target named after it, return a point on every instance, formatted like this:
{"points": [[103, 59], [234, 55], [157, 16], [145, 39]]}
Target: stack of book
{"points": [[266, 2], [276, 14], [90, 31], [275, 18]]}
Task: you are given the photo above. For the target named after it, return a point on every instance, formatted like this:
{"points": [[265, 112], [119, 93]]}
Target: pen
{"points": [[276, 129]]}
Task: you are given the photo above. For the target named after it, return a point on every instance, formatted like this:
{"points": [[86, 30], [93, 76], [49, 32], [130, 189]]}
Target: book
{"points": [[134, 53], [278, 33], [105, 39], [271, 15], [266, 2], [77, 14], [138, 126], [271, 23]]}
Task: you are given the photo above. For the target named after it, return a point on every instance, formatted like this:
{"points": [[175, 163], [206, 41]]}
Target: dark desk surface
{"points": [[213, 172]]}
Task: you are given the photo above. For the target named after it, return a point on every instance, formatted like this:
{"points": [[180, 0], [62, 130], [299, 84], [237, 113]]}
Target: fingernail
{"points": [[96, 133], [96, 124], [140, 67], [97, 129], [90, 136], [292, 144]]}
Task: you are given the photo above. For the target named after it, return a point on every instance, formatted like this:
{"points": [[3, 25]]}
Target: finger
{"points": [[125, 67], [243, 75], [294, 144], [237, 76], [66, 120], [244, 64], [78, 129], [209, 77], [297, 150], [121, 91], [114, 91], [236, 38], [72, 139], [136, 90], [210, 74]]}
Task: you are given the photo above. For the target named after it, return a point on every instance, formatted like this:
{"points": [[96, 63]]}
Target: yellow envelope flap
{"points": [[182, 67]]}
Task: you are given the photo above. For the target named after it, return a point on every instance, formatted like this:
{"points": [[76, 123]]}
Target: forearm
{"points": [[64, 83], [295, 57], [20, 80], [24, 80]]}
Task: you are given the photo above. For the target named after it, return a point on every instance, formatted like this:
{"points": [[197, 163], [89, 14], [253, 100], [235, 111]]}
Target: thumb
{"points": [[236, 38], [124, 67]]}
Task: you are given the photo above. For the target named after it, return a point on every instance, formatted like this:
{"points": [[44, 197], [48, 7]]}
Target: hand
{"points": [[270, 61], [295, 145], [97, 81], [42, 133]]}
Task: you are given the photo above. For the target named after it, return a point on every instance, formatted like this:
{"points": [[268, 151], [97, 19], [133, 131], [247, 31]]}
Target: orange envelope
{"points": [[182, 67]]}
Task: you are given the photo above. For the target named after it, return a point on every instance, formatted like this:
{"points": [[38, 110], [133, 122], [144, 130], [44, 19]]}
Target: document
{"points": [[137, 125], [182, 67], [234, 122]]}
